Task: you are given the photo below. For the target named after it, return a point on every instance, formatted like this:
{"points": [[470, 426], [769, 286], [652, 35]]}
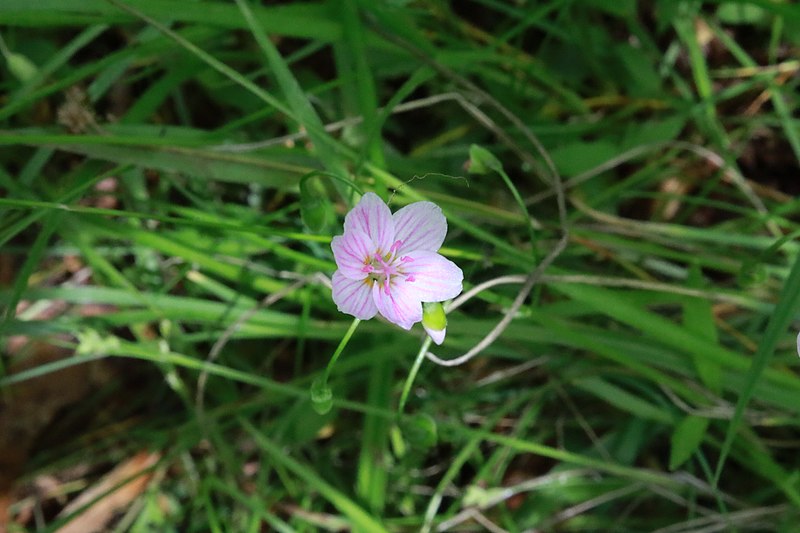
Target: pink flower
{"points": [[389, 264]]}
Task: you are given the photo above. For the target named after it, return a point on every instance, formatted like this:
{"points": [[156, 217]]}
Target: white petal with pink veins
{"points": [[435, 278], [353, 297], [420, 226], [352, 251], [400, 305], [372, 217]]}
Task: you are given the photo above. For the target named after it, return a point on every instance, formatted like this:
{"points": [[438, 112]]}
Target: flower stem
{"points": [[321, 394], [413, 374]]}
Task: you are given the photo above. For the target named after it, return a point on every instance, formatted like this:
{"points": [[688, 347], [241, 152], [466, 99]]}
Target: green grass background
{"points": [[172, 172]]}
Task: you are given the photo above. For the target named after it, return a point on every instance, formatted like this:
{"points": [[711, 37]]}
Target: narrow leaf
{"points": [[686, 439], [787, 308]]}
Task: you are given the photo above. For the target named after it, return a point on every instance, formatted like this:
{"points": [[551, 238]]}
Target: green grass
{"points": [[620, 179]]}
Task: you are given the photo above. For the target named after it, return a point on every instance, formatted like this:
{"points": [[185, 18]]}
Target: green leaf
{"points": [[575, 158], [302, 423], [308, 19], [623, 399], [295, 96], [372, 477], [686, 439], [640, 70], [620, 8], [643, 132], [21, 67], [698, 318], [193, 162], [785, 311], [359, 518], [741, 13]]}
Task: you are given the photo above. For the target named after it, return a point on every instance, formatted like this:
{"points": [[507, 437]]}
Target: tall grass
{"points": [[619, 180]]}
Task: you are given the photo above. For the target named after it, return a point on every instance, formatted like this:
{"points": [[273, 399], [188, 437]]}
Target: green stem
{"points": [[321, 395], [521, 203], [340, 348], [320, 173], [413, 374]]}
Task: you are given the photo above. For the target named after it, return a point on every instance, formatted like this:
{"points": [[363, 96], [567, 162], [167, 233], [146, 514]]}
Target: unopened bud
{"points": [[481, 160], [434, 320]]}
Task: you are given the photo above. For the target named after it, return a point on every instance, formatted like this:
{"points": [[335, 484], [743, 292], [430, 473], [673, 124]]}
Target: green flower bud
{"points": [[316, 210], [316, 213], [481, 160], [434, 320], [433, 315], [321, 396]]}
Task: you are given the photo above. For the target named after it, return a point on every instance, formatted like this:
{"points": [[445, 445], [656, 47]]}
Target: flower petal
{"points": [[420, 226], [437, 335], [352, 251], [372, 217], [400, 306], [353, 297], [435, 278]]}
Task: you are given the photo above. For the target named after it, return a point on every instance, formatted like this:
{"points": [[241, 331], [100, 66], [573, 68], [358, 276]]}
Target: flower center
{"points": [[385, 268]]}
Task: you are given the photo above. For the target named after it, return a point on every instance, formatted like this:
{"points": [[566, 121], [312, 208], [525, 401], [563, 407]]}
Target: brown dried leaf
{"points": [[130, 479]]}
